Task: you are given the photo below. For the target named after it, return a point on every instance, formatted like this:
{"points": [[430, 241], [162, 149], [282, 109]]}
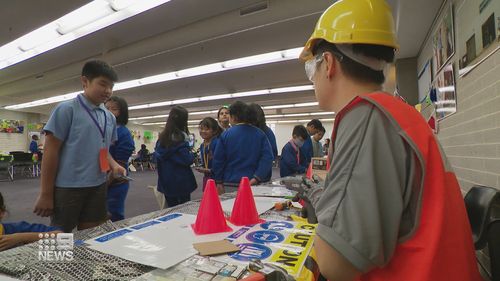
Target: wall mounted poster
{"points": [[446, 98], [11, 126], [443, 39]]}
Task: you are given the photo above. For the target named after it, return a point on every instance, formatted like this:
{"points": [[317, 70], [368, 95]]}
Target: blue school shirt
{"points": [[243, 151], [173, 164], [18, 227], [82, 140], [123, 147], [272, 141], [33, 147], [307, 151], [289, 165], [209, 154]]}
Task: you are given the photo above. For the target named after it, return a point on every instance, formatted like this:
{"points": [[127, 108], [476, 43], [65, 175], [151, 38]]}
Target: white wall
{"points": [[139, 141], [16, 142]]}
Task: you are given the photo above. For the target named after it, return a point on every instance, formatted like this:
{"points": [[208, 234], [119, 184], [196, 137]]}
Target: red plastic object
{"points": [[244, 210], [210, 218], [309, 172], [328, 163]]}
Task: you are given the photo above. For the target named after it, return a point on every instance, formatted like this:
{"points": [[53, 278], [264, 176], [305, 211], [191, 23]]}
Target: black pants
{"points": [[177, 200]]}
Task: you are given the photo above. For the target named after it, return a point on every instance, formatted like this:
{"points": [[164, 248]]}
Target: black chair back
{"points": [[479, 201]]}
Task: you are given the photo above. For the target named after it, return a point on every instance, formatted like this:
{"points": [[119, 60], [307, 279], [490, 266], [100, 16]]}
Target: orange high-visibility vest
{"points": [[441, 248]]}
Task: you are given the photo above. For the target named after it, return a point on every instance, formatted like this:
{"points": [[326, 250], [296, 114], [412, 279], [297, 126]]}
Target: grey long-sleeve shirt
{"points": [[372, 192]]}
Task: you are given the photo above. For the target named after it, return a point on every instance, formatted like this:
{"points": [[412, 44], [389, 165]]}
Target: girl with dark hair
{"points": [[223, 117], [121, 151], [260, 122], [174, 158], [209, 132], [243, 150]]}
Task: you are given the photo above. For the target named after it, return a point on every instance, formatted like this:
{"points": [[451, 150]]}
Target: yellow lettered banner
{"points": [[295, 249]]}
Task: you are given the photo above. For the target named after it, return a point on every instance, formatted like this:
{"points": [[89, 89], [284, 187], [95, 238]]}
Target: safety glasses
{"points": [[311, 66]]}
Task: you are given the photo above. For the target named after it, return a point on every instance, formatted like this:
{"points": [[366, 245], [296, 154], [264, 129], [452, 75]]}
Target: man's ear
{"points": [[85, 82], [331, 65]]}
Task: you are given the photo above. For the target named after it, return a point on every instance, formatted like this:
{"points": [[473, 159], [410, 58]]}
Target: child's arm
{"points": [[12, 240], [45, 203], [116, 168]]}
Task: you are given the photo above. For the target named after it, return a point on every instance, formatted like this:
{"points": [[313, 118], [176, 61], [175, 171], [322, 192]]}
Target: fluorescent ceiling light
{"points": [[148, 117], [290, 105], [297, 121], [224, 96], [206, 69], [84, 15], [215, 111], [87, 19]]}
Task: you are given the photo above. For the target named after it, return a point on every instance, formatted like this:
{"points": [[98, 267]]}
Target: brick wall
{"points": [[471, 137]]}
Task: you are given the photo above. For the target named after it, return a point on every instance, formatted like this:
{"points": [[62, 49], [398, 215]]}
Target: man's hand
{"points": [[44, 206], [118, 170], [254, 181], [309, 191]]}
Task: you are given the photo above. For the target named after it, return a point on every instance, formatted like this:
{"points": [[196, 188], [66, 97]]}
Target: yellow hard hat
{"points": [[354, 22]]}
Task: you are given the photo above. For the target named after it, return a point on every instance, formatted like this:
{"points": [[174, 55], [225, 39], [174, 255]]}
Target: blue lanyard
{"points": [[101, 130]]}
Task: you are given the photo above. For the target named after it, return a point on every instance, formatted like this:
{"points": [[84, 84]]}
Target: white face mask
{"points": [[298, 142]]}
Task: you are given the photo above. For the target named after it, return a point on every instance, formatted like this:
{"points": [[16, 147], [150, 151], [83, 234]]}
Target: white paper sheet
{"points": [[161, 242], [261, 203], [272, 191]]}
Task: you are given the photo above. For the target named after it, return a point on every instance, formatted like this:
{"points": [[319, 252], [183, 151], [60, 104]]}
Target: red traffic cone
{"points": [[309, 172], [210, 218], [244, 210]]}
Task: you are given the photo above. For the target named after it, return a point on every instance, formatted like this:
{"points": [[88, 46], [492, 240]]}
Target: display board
{"points": [[153, 242]]}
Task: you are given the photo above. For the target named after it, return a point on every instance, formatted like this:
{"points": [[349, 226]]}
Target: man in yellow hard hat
{"points": [[391, 208]]}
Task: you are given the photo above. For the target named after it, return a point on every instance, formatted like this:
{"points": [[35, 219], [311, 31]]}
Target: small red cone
{"points": [[244, 210], [309, 172], [210, 218]]}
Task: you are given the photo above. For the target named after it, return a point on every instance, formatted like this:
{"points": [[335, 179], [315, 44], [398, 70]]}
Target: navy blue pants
{"points": [[116, 200]]}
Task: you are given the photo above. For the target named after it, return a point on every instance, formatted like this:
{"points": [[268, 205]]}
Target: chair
{"points": [[6, 167], [23, 161], [483, 208]]}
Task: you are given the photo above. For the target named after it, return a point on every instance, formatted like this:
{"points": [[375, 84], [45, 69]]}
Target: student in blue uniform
{"points": [[14, 234], [223, 118], [76, 154], [174, 158], [34, 144], [121, 151], [260, 123], [307, 150], [209, 132], [316, 144], [291, 162], [243, 151]]}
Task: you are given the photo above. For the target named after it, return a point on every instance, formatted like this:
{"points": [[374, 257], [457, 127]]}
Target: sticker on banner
{"points": [[265, 236], [251, 251]]}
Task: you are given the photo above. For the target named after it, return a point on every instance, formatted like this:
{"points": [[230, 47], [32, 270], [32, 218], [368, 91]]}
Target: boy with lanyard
{"points": [[291, 162], [307, 149], [391, 207], [76, 160]]}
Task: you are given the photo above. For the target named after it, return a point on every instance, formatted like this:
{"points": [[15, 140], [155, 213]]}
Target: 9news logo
{"points": [[55, 247]]}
